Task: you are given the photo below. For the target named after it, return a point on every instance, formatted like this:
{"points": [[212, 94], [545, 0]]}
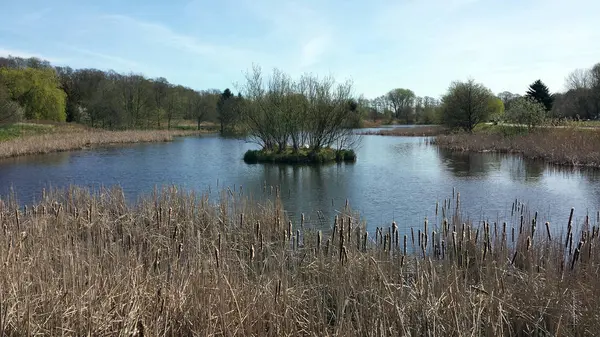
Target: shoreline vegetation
{"points": [[416, 131], [560, 146], [566, 145], [301, 156], [30, 139], [175, 263]]}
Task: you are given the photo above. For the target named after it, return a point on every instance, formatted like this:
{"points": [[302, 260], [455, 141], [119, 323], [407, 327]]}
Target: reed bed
{"points": [[562, 146], [177, 264], [417, 131], [77, 139]]}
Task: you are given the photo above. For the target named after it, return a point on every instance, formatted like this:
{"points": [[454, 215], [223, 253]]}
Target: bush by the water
{"points": [[289, 156]]}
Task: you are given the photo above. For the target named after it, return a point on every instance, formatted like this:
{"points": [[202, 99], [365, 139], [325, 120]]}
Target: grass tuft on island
{"points": [[302, 156]]}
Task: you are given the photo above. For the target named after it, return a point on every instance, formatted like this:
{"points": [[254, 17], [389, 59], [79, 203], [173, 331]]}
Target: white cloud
{"points": [[162, 34], [314, 49]]}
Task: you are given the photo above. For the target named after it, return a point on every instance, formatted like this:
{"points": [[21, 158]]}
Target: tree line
{"points": [[281, 113], [33, 89]]}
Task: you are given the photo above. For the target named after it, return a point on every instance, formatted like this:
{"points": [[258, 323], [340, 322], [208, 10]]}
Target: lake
{"points": [[395, 178]]}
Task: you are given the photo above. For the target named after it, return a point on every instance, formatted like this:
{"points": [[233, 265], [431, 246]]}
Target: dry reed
{"points": [[77, 139], [416, 131], [175, 263], [563, 146]]}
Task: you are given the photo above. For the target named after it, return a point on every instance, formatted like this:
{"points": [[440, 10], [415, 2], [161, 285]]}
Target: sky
{"points": [[422, 45]]}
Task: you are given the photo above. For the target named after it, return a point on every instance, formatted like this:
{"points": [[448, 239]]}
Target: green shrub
{"points": [[288, 156]]}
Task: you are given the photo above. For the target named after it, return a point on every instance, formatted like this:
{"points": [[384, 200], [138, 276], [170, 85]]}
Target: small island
{"points": [[309, 120], [301, 156]]}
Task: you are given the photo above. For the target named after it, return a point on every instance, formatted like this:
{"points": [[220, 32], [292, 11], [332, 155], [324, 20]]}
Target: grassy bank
{"points": [[301, 156], [25, 139], [177, 264], [563, 146], [417, 131]]}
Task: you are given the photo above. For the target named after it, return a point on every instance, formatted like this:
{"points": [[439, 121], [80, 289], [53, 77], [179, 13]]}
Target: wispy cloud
{"points": [[314, 49], [110, 58], [166, 36]]}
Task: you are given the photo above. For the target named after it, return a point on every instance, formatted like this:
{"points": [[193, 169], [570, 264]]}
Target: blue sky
{"points": [[379, 44]]}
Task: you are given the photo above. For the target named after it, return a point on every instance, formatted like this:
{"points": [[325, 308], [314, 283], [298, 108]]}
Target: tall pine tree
{"points": [[540, 92]]}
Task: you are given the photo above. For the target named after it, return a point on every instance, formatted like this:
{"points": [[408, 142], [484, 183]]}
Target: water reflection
{"points": [[395, 178]]}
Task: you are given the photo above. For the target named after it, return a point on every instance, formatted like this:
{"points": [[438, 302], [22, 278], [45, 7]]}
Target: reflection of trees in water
{"points": [[305, 189], [524, 170], [465, 164]]}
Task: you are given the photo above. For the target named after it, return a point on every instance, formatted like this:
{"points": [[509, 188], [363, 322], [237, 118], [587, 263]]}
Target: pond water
{"points": [[395, 178]]}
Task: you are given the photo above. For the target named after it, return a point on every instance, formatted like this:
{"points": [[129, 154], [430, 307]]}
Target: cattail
{"points": [[495, 231], [365, 238], [454, 244], [569, 225], [548, 231], [262, 239], [217, 256], [443, 249], [302, 220], [241, 219], [257, 229], [396, 239], [319, 239], [346, 206], [290, 230], [533, 225], [576, 255], [528, 243], [170, 215], [521, 226], [252, 253], [419, 242], [405, 238], [512, 234], [17, 218], [297, 245], [436, 208], [570, 243], [335, 222], [349, 228], [412, 233], [425, 233], [327, 244]]}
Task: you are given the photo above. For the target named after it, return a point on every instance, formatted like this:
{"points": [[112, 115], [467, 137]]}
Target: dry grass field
{"points": [[176, 264]]}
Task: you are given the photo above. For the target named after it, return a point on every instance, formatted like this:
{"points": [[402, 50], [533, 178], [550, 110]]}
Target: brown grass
{"points": [[563, 146], [76, 138], [417, 131], [175, 264]]}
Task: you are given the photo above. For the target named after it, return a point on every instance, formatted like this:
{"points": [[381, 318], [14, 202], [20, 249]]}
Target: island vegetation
{"points": [[308, 120], [178, 264]]}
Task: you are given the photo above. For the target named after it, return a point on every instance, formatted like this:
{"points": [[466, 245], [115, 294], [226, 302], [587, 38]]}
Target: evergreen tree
{"points": [[540, 92]]}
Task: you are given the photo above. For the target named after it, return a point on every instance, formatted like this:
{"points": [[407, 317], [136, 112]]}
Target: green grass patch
{"points": [[302, 156], [12, 131]]}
